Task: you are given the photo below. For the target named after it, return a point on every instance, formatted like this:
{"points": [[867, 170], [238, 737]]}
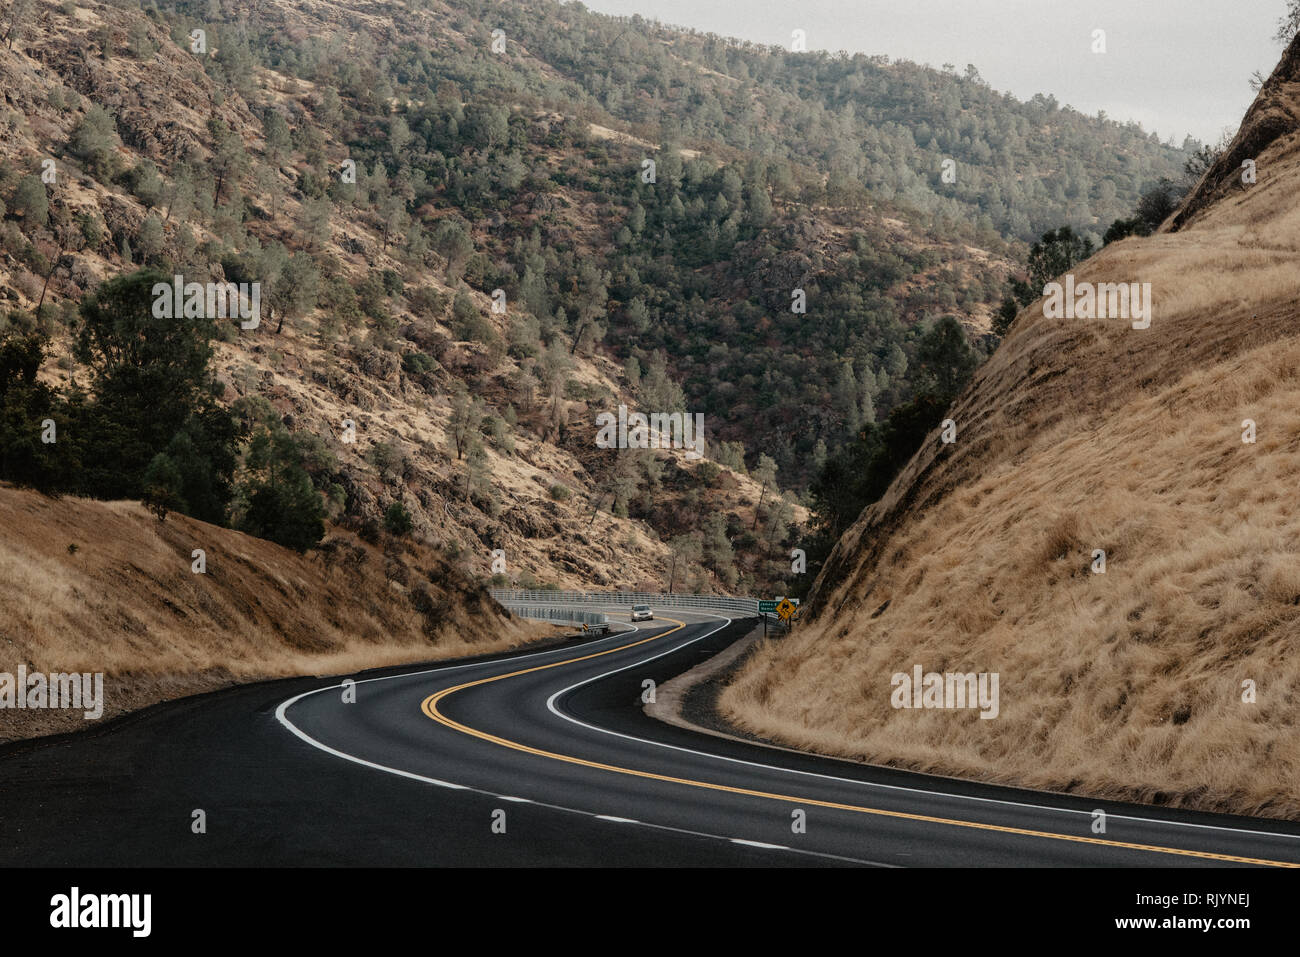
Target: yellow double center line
{"points": [[430, 708]]}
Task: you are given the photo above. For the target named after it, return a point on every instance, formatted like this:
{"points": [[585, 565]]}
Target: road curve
{"points": [[430, 760], [562, 730]]}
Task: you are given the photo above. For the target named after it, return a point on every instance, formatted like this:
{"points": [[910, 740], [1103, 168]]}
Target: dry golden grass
{"points": [[127, 604], [1079, 435]]}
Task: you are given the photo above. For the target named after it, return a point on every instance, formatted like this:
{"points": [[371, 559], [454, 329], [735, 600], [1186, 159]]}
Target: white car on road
{"points": [[642, 613]]}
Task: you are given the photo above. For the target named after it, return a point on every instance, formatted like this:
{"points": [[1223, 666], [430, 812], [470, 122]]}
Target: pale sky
{"points": [[1176, 66]]}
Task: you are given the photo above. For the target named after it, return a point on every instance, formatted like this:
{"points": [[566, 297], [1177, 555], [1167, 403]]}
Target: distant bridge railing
{"points": [[543, 596]]}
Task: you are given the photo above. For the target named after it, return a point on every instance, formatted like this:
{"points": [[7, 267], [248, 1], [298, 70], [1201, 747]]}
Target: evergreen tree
{"points": [[151, 380], [279, 501], [95, 141], [27, 408], [31, 199], [945, 358]]}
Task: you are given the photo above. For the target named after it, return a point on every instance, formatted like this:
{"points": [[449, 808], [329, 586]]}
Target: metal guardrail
{"points": [[555, 614], [509, 596]]}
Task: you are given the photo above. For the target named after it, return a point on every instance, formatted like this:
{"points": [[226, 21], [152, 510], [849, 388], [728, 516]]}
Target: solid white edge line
{"points": [[281, 716], [551, 706], [282, 709]]}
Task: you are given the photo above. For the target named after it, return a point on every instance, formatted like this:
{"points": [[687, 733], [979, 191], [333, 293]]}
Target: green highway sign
{"points": [[767, 608]]}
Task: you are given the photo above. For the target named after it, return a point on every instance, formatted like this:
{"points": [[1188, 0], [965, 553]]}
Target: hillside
{"points": [[158, 163], [105, 587], [1080, 435], [472, 169]]}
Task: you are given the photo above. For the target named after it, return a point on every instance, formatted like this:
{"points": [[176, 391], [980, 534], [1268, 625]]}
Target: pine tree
{"points": [[32, 201], [466, 417]]}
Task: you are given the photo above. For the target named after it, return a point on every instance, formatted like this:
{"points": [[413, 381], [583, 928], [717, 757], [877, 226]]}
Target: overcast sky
{"points": [[1176, 66]]}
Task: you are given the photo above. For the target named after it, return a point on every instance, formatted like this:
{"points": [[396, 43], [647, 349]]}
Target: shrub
{"points": [[397, 520], [417, 363]]}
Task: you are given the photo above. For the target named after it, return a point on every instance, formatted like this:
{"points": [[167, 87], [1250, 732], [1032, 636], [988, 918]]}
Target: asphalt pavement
{"points": [[539, 758]]}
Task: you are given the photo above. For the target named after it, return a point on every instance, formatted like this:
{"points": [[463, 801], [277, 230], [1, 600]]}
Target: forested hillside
{"points": [[477, 225], [862, 121]]}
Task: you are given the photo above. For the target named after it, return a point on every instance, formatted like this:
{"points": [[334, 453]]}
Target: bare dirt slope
{"points": [[104, 587], [1085, 434]]}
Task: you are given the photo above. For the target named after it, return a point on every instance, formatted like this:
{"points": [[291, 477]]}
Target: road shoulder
{"points": [[690, 700]]}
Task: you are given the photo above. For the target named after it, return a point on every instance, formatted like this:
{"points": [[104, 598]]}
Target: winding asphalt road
{"points": [[539, 758]]}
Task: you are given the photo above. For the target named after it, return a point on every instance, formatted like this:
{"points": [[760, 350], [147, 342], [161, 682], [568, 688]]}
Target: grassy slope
{"points": [[126, 603], [1083, 434]]}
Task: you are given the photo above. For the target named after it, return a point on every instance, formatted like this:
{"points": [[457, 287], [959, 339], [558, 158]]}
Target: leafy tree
{"points": [[295, 290], [488, 124], [1122, 229], [466, 417], [162, 492], [591, 307], [95, 141], [1201, 160], [285, 510], [945, 358], [150, 239], [478, 479], [275, 131], [717, 550], [399, 135], [280, 503], [1159, 203], [625, 482], [1288, 25], [397, 520], [731, 454], [386, 457], [26, 404], [147, 184], [141, 46], [314, 221], [151, 380], [861, 472], [204, 458], [685, 550], [229, 161], [1053, 255], [658, 391], [468, 322], [32, 201], [179, 194], [452, 241]]}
